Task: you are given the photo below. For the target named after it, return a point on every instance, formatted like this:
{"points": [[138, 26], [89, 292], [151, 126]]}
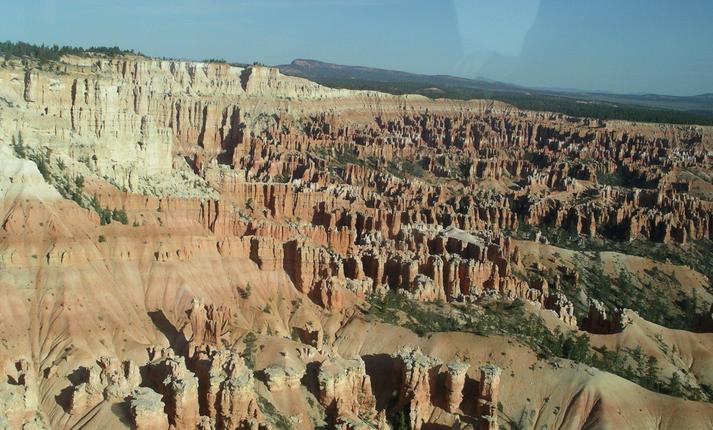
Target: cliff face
{"points": [[195, 245], [126, 118]]}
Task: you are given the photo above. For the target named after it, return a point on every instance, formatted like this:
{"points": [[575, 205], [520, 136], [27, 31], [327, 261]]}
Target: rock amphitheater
{"points": [[191, 245]]}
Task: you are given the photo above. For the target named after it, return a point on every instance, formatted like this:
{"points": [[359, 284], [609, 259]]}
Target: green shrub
{"points": [[19, 147], [120, 215], [246, 292], [249, 350], [400, 420], [44, 53], [283, 178], [513, 321], [278, 420]]}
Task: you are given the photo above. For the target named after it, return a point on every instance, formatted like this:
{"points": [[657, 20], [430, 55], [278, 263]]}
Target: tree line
{"points": [[44, 53]]}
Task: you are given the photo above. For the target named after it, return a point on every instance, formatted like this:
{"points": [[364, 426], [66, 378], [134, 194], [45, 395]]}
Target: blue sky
{"points": [[628, 46]]}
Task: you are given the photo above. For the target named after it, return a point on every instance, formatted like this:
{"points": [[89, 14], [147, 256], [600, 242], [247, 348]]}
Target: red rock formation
{"points": [[234, 176], [280, 378], [19, 401], [597, 320], [208, 323], [108, 379], [147, 410], [169, 375], [455, 381], [345, 390], [487, 404], [218, 385], [418, 373]]}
